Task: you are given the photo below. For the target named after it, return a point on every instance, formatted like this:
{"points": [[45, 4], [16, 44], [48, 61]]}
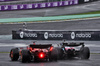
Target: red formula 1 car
{"points": [[34, 52]]}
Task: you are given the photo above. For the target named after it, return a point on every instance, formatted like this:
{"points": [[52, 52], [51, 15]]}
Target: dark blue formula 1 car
{"points": [[73, 49]]}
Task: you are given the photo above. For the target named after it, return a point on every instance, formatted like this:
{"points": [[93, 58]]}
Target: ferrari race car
{"points": [[34, 52], [73, 49]]}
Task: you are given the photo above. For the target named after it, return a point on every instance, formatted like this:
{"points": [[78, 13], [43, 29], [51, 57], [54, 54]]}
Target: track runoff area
{"points": [[8, 43]]}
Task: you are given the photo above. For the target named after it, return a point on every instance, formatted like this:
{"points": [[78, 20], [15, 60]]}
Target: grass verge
{"points": [[92, 12]]}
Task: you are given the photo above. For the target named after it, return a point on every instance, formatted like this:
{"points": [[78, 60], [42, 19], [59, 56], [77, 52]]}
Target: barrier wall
{"points": [[56, 35], [37, 5], [6, 0], [41, 5]]}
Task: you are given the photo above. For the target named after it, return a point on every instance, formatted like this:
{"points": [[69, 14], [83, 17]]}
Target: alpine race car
{"points": [[34, 52], [73, 49]]}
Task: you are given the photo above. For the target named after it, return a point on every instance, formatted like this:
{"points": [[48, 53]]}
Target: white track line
{"points": [[13, 45]]}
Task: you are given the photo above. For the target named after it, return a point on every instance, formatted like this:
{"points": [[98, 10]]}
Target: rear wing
{"points": [[73, 44], [41, 46]]}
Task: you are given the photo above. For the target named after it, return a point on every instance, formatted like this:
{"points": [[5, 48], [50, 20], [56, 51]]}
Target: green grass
{"points": [[95, 53], [93, 12], [4, 52]]}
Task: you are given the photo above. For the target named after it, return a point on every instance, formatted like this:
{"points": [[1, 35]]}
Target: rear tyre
{"points": [[25, 56], [14, 54], [60, 53], [53, 55], [35, 59], [85, 53]]}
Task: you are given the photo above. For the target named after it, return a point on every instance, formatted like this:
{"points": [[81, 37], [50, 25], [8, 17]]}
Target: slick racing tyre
{"points": [[60, 53], [25, 56], [53, 55], [14, 54], [85, 53]]}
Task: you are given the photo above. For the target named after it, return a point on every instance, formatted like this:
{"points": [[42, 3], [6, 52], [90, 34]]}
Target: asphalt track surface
{"points": [[93, 61], [86, 24], [82, 8]]}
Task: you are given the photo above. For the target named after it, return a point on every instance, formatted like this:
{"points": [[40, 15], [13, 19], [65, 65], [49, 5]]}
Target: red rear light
{"points": [[51, 48], [41, 55]]}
